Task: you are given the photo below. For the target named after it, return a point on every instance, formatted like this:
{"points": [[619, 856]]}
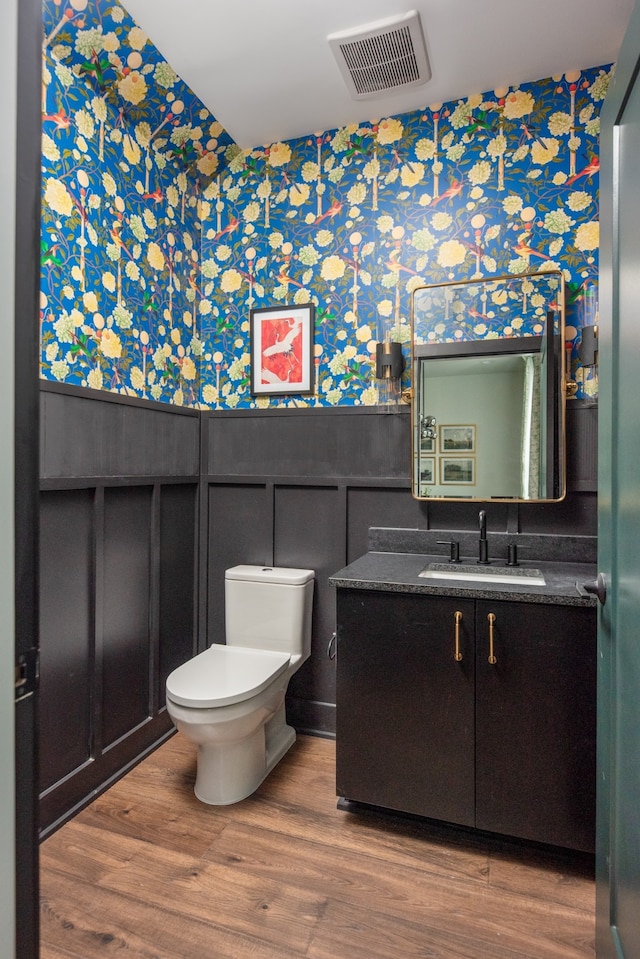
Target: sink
{"points": [[512, 575]]}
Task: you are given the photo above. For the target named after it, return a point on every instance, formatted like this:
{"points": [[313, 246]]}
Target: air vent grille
{"points": [[385, 56]]}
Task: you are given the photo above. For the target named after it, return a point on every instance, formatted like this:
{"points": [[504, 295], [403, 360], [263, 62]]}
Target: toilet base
{"points": [[229, 772]]}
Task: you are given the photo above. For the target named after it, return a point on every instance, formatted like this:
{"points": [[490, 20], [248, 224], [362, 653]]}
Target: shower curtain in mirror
{"points": [[531, 433]]}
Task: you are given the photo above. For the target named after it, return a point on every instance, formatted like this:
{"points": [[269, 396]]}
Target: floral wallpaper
{"points": [[160, 235], [126, 150]]}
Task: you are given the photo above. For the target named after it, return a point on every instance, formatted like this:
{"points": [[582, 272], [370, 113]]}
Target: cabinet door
{"points": [[405, 714], [535, 723]]}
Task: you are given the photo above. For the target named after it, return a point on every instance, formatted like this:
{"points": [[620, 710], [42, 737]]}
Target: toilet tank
{"points": [[269, 607]]}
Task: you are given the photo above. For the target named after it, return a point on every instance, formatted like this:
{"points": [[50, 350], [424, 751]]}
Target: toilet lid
{"points": [[222, 675]]}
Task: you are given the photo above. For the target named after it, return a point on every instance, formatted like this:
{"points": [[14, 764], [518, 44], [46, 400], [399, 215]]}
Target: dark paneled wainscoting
{"points": [[117, 591], [143, 508]]}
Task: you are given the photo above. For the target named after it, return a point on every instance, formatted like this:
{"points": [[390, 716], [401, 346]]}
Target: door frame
{"points": [[22, 59], [627, 68]]}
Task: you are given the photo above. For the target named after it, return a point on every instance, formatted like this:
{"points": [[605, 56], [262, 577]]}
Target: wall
{"points": [[127, 148], [160, 234], [354, 219]]}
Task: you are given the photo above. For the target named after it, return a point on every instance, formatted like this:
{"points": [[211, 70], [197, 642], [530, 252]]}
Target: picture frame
{"points": [[458, 438], [458, 470], [427, 444], [281, 340], [427, 469]]}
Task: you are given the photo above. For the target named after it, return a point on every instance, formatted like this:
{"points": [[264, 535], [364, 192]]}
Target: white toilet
{"points": [[229, 700]]}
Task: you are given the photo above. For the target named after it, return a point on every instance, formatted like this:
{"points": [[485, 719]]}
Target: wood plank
{"points": [[150, 870]]}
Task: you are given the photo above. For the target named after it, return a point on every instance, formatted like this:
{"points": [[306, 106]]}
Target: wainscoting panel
{"points": [[127, 596], [89, 433], [309, 527], [309, 443], [240, 530], [66, 633], [177, 606]]}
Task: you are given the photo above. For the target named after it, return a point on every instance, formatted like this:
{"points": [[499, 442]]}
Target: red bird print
{"points": [[592, 167], [61, 119], [453, 190], [333, 210]]}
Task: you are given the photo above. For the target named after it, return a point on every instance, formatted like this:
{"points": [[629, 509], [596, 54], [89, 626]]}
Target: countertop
{"points": [[398, 573]]}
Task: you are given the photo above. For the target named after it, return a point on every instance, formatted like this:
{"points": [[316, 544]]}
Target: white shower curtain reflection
{"points": [[530, 448]]}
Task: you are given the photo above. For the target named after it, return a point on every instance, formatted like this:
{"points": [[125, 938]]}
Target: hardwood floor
{"points": [[149, 872]]}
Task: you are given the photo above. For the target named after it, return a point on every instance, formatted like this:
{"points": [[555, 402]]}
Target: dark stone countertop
{"points": [[398, 573]]}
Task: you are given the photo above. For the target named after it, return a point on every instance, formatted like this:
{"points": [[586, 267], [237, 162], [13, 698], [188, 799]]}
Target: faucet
{"points": [[483, 545]]}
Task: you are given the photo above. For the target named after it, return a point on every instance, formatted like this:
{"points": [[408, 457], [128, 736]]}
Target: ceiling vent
{"points": [[382, 57]]}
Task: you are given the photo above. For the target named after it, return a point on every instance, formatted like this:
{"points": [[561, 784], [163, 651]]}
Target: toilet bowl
{"points": [[230, 699]]}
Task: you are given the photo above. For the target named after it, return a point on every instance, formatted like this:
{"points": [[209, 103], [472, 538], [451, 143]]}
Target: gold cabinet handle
{"points": [[491, 618], [457, 616]]}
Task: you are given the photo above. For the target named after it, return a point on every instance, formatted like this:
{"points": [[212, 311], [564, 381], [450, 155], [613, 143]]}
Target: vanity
{"points": [[470, 702], [466, 661]]}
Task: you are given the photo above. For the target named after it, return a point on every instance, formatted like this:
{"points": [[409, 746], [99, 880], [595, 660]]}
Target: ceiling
{"points": [[265, 69]]}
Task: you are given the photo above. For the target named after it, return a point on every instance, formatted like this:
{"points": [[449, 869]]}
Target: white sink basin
{"points": [[512, 575]]}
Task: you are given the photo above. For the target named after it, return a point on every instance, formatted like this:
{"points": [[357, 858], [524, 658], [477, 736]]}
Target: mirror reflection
{"points": [[488, 399]]}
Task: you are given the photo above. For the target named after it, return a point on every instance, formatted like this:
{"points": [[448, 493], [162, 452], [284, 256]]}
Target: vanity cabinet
{"points": [[473, 712]]}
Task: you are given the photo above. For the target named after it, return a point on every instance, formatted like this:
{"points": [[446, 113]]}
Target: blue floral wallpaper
{"points": [[160, 235], [127, 149]]}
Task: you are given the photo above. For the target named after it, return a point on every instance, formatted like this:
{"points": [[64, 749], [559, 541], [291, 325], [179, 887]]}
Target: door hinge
{"points": [[27, 673]]}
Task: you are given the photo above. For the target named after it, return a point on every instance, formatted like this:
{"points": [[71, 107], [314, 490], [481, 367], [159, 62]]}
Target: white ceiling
{"points": [[265, 70]]}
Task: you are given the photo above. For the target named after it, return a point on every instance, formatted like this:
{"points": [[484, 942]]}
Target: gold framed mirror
{"points": [[488, 399]]}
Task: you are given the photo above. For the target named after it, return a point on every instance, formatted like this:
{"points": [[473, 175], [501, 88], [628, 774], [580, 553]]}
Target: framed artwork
{"points": [[282, 349], [427, 444], [458, 470], [458, 438], [427, 469]]}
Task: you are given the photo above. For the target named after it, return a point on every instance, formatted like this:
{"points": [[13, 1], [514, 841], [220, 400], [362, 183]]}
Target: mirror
{"points": [[488, 399]]}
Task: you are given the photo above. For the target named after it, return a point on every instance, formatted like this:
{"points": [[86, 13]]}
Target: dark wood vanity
{"points": [[474, 706]]}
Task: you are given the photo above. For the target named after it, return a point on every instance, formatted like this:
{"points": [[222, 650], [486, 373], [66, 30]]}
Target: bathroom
{"points": [[144, 506]]}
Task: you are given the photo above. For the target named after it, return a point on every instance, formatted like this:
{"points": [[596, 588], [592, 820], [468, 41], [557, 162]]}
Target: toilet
{"points": [[230, 699]]}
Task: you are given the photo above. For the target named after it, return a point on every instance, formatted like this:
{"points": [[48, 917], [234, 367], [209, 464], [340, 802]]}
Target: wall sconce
{"points": [[390, 364], [588, 348]]}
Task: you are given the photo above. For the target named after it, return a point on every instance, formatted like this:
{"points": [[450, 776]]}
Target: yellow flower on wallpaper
{"points": [[588, 236], [57, 197], [279, 154], [544, 150], [133, 87], [332, 268], [155, 257], [451, 253], [136, 38], [518, 104], [299, 194], [208, 164], [110, 344], [390, 130], [560, 124], [188, 368], [131, 150], [230, 281], [90, 302], [411, 174], [94, 380], [49, 149]]}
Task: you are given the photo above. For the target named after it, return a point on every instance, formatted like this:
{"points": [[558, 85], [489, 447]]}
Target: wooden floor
{"points": [[148, 872]]}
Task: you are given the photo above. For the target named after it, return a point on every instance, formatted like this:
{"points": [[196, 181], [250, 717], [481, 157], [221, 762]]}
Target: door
{"points": [[618, 840]]}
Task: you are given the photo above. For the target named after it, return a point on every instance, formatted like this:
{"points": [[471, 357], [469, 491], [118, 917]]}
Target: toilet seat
{"points": [[223, 675]]}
